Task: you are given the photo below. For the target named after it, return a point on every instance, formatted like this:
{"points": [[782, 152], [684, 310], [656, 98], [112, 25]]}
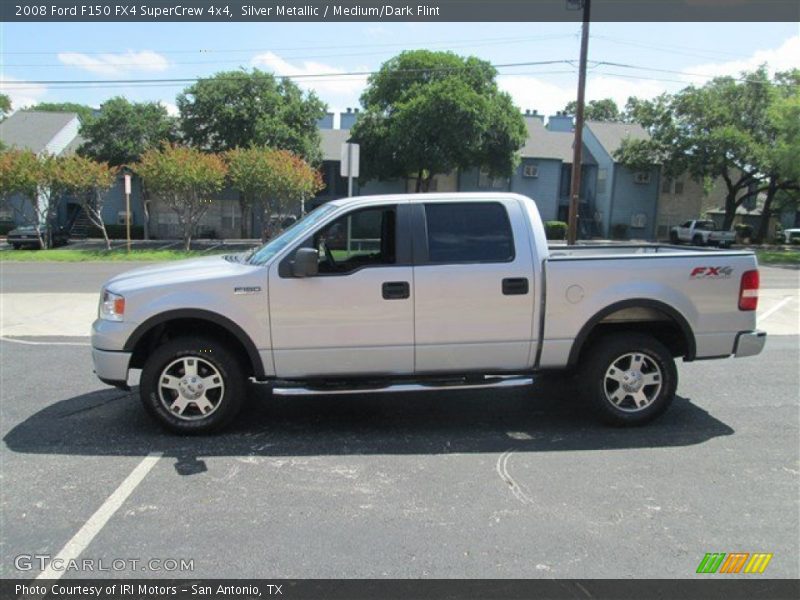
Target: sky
{"points": [[659, 56]]}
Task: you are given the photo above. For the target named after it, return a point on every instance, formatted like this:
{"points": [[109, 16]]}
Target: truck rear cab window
{"points": [[469, 232], [362, 238]]}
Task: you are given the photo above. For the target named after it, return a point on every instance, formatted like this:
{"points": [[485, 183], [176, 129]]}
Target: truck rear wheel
{"points": [[192, 385], [630, 378]]}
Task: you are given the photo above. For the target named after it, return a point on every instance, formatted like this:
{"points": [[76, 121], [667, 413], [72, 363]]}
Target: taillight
{"points": [[748, 292]]}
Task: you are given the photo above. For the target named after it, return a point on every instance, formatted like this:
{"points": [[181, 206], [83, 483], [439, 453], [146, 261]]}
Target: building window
{"points": [[469, 232], [666, 186], [530, 170], [602, 177], [678, 188], [642, 177], [231, 218]]}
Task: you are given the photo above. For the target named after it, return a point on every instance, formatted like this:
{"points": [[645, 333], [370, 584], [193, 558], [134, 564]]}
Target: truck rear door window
{"points": [[469, 232]]}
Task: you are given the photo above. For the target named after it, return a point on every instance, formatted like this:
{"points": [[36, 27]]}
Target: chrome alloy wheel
{"points": [[632, 382], [190, 388]]}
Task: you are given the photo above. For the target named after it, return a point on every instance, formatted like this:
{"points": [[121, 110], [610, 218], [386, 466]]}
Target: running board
{"points": [[489, 382]]}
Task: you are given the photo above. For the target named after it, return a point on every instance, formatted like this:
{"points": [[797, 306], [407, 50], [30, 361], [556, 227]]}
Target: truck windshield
{"points": [[296, 231]]}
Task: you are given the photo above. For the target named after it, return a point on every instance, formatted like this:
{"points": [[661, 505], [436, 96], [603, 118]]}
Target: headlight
{"points": [[112, 306]]}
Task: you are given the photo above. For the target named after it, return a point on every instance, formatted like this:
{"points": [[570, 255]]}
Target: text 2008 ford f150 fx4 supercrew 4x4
{"points": [[423, 291]]}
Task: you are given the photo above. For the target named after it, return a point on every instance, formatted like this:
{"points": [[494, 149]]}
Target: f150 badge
{"points": [[711, 273], [246, 290]]}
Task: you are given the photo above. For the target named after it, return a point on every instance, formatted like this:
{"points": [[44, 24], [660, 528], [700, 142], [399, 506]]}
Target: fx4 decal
{"points": [[711, 273]]}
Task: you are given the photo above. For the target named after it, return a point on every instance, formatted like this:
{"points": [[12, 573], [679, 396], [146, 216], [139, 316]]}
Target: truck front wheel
{"points": [[192, 385], [630, 378]]}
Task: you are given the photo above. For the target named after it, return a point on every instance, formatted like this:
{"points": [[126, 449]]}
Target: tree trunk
{"points": [[243, 232], [145, 210], [419, 182], [730, 209], [766, 212]]}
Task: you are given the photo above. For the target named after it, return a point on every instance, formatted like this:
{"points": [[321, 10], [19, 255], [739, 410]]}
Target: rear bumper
{"points": [[111, 367], [749, 343]]}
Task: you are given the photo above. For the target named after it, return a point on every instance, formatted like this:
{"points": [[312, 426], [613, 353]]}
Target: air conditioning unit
{"points": [[638, 221], [642, 177], [530, 170]]}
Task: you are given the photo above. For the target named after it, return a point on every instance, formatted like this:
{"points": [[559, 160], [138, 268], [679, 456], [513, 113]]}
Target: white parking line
{"points": [[775, 308], [97, 521]]}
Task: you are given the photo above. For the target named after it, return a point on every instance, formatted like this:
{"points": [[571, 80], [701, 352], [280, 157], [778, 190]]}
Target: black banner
{"points": [[190, 11], [704, 587]]}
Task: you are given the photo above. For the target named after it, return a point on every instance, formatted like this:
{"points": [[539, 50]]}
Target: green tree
{"points": [[237, 109], [779, 164], [123, 131], [35, 180], [719, 130], [429, 113], [84, 112], [185, 179], [597, 110], [5, 106], [273, 181], [88, 181]]}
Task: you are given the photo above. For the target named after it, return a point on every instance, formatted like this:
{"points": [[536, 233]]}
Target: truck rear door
{"points": [[474, 288]]}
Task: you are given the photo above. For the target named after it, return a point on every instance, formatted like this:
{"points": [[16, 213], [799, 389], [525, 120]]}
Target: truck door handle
{"points": [[396, 290], [515, 286]]}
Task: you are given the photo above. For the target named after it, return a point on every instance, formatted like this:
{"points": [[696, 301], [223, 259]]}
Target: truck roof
{"points": [[428, 197]]}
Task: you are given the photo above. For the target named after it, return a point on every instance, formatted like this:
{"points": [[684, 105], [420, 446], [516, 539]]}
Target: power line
{"points": [[682, 50], [470, 41], [184, 80], [241, 62]]}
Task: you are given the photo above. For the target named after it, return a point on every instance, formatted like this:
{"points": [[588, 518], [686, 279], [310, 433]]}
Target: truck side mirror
{"points": [[305, 263]]}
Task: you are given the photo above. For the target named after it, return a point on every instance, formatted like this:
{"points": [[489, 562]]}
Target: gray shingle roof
{"points": [[332, 140], [543, 143], [611, 135], [33, 130]]}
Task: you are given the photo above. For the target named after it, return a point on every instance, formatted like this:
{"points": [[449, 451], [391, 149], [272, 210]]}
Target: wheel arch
{"points": [[671, 328], [193, 321]]}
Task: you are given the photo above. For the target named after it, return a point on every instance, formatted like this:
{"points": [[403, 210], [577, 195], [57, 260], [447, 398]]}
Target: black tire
{"points": [[697, 240], [673, 238], [222, 403], [16, 246], [599, 387]]}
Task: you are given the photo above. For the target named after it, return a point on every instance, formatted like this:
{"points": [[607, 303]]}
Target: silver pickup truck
{"points": [[428, 291]]}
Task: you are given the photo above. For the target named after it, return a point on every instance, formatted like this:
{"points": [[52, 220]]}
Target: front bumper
{"points": [[111, 367], [749, 343]]}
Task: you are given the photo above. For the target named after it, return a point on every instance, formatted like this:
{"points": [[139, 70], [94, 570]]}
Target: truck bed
{"points": [[592, 251]]}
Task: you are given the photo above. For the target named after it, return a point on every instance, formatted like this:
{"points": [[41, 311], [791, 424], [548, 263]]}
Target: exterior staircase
{"points": [[81, 225]]}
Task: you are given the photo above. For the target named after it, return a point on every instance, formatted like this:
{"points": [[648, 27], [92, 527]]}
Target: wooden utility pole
{"points": [[577, 154]]}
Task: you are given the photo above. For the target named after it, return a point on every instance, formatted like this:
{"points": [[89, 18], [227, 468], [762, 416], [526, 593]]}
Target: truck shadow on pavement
{"points": [[544, 419]]}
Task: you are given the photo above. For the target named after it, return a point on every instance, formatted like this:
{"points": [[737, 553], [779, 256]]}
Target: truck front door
{"points": [[356, 316]]}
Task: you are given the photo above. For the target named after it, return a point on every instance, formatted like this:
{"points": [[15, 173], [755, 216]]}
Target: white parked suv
{"points": [[422, 291]]}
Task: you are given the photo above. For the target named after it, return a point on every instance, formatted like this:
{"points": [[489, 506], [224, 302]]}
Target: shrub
{"points": [[555, 230], [619, 231]]}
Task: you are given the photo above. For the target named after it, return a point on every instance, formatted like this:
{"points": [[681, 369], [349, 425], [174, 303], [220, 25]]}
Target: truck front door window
{"points": [[359, 239]]}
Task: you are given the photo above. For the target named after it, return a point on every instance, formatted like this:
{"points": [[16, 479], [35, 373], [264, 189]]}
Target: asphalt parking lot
{"points": [[454, 484]]}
